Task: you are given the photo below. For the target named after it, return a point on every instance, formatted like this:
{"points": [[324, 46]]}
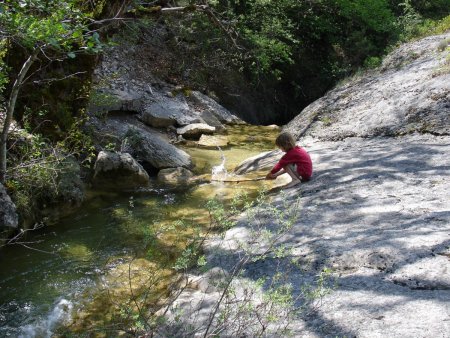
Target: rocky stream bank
{"points": [[375, 217]]}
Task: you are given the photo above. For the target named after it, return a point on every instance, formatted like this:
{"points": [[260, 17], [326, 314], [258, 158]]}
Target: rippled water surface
{"points": [[82, 272]]}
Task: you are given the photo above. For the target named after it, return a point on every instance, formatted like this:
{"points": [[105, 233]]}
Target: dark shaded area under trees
{"points": [[268, 60], [290, 52]]}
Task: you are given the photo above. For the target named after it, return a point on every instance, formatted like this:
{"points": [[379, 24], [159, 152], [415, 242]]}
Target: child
{"points": [[296, 162]]}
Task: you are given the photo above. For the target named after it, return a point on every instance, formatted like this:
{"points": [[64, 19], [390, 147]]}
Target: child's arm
{"points": [[271, 176], [277, 170]]}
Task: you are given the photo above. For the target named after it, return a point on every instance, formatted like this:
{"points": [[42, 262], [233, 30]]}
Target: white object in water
{"points": [[219, 172], [60, 314]]}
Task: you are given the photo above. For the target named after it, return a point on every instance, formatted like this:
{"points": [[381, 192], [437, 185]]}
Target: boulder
{"points": [[106, 99], [119, 171], [195, 130], [8, 214], [212, 111], [164, 111], [142, 142], [213, 141], [175, 176], [157, 152]]}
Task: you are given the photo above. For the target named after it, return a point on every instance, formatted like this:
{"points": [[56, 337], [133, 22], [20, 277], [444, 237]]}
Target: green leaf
{"points": [[77, 34]]}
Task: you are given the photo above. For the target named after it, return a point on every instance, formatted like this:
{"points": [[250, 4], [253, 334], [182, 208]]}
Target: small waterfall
{"points": [[44, 328], [219, 172]]}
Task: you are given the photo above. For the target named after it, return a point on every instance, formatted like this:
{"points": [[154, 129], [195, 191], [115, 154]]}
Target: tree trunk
{"points": [[10, 110]]}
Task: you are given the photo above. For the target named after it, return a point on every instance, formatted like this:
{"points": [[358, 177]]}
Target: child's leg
{"points": [[291, 169]]}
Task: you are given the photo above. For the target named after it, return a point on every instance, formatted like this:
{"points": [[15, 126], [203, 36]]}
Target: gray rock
{"points": [[119, 171], [376, 214], [263, 161], [166, 111], [160, 154], [212, 111], [106, 100], [195, 130], [8, 214], [159, 104], [143, 143], [175, 176], [406, 95]]}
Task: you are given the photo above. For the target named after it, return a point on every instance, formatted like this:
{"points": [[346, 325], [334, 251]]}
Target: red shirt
{"points": [[298, 156]]}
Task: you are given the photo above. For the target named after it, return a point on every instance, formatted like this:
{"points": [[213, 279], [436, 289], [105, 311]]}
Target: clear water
{"points": [[80, 272]]}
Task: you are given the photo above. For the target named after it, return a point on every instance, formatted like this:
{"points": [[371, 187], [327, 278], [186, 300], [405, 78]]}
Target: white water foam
{"points": [[219, 172], [61, 313]]}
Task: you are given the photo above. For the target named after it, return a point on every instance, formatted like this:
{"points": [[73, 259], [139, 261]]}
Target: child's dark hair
{"points": [[285, 140]]}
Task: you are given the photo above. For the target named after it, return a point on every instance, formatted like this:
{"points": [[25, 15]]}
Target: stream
{"points": [[80, 274]]}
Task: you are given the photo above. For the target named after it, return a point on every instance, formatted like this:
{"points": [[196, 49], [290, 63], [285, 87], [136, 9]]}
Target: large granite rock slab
{"points": [[373, 224], [162, 110], [409, 93], [375, 218]]}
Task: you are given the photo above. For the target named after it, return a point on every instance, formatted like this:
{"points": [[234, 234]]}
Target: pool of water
{"points": [[85, 273]]}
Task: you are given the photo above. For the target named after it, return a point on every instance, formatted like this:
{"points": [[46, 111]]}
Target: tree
{"points": [[45, 30]]}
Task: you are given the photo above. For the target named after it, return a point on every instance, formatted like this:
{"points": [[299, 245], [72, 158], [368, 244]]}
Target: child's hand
{"points": [[270, 176]]}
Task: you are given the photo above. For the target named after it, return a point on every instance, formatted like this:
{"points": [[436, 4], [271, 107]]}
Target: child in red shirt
{"points": [[296, 162]]}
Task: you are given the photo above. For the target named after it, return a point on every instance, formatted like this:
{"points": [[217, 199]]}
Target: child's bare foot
{"points": [[293, 183]]}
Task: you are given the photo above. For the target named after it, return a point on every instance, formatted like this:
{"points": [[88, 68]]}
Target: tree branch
{"points": [[10, 110]]}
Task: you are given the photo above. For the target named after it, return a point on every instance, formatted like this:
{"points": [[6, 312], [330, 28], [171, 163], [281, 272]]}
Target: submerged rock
{"points": [[119, 171], [213, 141], [175, 176]]}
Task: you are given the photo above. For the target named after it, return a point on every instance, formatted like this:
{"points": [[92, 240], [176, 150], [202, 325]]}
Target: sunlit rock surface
{"points": [[195, 130], [409, 93], [375, 214]]}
